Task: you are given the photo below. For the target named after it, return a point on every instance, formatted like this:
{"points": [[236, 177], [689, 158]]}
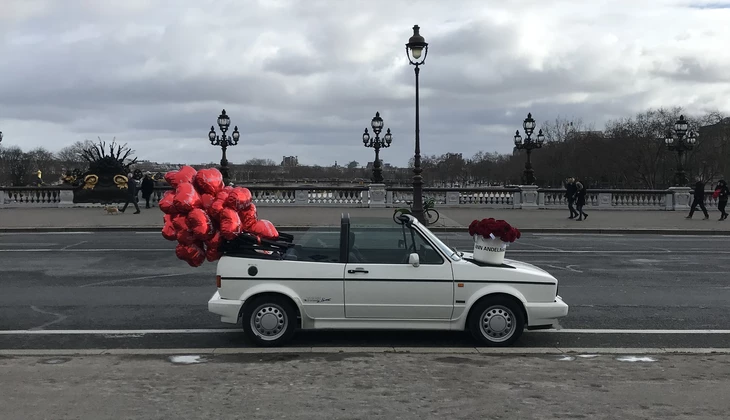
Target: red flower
{"points": [[499, 228]]}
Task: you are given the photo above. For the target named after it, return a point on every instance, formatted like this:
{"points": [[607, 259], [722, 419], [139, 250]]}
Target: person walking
{"points": [[570, 191], [148, 186], [131, 194], [580, 201], [699, 199], [721, 193]]}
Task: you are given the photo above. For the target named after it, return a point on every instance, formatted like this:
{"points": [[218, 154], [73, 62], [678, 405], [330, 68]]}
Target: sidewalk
{"points": [[297, 385], [452, 219]]}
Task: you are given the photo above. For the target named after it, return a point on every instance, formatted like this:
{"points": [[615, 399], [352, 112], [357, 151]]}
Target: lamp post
{"points": [[224, 141], [684, 141], [377, 143], [416, 51], [528, 144]]}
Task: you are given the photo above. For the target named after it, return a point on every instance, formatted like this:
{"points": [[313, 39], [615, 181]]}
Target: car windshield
{"points": [[451, 252]]}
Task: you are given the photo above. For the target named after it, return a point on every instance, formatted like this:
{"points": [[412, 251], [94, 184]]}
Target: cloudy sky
{"points": [[304, 77]]}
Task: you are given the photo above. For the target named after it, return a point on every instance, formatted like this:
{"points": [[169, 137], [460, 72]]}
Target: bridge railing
{"points": [[517, 197]]}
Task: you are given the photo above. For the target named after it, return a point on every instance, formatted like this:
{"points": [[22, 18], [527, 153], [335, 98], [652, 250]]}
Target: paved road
{"points": [[133, 281]]}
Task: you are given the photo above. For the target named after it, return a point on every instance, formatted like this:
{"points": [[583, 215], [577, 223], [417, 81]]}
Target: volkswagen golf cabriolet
{"points": [[377, 274]]}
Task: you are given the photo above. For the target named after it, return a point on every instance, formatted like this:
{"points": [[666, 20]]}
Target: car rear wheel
{"points": [[269, 321], [497, 322]]}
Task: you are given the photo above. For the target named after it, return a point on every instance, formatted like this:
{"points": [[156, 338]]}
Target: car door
{"points": [[381, 283]]}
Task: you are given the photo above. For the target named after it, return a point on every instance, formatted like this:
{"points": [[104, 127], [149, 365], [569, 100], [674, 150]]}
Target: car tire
{"points": [[269, 321], [496, 322]]}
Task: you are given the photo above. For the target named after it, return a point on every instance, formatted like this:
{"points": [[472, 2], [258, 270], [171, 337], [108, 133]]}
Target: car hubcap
{"points": [[497, 323], [269, 322]]}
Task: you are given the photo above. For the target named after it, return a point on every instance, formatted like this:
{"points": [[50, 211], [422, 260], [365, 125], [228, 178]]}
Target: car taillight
{"points": [[218, 281]]}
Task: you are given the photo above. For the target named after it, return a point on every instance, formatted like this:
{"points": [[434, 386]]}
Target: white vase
{"points": [[488, 250]]}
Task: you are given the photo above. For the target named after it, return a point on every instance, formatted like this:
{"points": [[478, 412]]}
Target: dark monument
{"points": [[105, 180]]}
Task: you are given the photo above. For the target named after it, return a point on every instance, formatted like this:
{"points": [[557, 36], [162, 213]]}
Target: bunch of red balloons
{"points": [[201, 211]]}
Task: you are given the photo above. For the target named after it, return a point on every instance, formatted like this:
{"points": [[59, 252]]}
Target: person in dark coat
{"points": [[131, 194], [580, 201], [721, 193], [570, 191], [699, 199], [148, 187]]}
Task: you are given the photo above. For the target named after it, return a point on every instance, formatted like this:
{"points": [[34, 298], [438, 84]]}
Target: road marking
{"points": [[59, 318], [73, 245], [119, 332], [385, 350], [683, 252], [617, 331], [135, 279], [148, 233], [43, 233], [237, 330]]}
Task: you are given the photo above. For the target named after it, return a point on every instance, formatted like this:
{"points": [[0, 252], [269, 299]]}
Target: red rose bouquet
{"points": [[491, 228]]}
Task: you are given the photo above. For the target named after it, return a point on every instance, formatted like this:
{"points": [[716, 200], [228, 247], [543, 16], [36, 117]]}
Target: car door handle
{"points": [[358, 270]]}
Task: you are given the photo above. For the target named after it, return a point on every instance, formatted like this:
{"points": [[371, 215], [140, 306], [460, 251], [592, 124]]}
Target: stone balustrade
{"points": [[526, 197]]}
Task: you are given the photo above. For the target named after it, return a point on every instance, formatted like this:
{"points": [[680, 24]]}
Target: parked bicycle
{"points": [[430, 214]]}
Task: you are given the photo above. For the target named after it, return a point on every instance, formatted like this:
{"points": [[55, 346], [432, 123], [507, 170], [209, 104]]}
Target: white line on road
{"points": [[617, 331], [135, 279], [119, 332], [384, 349], [43, 233], [237, 330]]}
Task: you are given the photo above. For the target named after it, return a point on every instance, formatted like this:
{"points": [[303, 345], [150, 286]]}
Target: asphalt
{"points": [[133, 281]]}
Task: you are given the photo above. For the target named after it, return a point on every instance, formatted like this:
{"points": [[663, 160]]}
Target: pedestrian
{"points": [[148, 186], [131, 194], [570, 191], [721, 193], [699, 199], [580, 201]]}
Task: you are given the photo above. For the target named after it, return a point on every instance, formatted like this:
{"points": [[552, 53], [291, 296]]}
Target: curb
{"points": [[443, 229], [367, 350]]}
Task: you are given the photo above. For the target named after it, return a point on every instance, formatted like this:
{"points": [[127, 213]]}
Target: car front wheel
{"points": [[269, 321], [497, 322]]}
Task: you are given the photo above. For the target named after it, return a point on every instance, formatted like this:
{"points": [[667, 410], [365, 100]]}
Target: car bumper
{"points": [[539, 314], [227, 309]]}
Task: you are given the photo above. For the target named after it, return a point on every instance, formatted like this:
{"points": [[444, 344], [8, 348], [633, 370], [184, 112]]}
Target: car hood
{"points": [[517, 271]]}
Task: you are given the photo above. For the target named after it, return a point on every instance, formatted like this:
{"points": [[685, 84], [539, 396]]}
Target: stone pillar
{"points": [[681, 198], [528, 199], [604, 200], [388, 198], [66, 198], [452, 198], [517, 199], [377, 195], [301, 197]]}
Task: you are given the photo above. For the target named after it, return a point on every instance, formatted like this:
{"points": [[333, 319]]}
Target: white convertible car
{"points": [[377, 274]]}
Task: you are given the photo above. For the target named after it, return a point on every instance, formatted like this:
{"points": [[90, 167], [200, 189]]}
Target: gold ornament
{"points": [[121, 181], [90, 182]]}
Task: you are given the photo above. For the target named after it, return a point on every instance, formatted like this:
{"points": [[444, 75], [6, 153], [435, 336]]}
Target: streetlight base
{"points": [[528, 177]]}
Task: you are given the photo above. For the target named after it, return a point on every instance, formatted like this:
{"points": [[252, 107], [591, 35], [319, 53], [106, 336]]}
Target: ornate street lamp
{"points": [[682, 141], [377, 143], [224, 141], [528, 175], [416, 51]]}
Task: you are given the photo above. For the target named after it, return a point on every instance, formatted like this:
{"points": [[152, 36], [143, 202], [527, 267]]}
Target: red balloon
{"points": [[167, 203], [248, 217], [168, 230], [230, 223], [216, 208], [264, 229], [185, 237], [193, 254], [212, 248], [186, 174], [186, 198], [207, 200], [228, 189], [180, 223], [239, 199], [171, 178], [209, 181], [200, 224]]}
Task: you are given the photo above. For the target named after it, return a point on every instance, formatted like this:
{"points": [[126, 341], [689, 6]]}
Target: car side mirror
{"points": [[414, 260]]}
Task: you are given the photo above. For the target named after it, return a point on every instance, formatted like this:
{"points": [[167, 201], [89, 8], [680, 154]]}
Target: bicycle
{"points": [[430, 214]]}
